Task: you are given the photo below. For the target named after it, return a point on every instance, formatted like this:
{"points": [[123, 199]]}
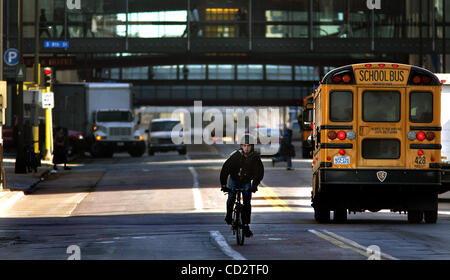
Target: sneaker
{"points": [[67, 168], [247, 231], [289, 168]]}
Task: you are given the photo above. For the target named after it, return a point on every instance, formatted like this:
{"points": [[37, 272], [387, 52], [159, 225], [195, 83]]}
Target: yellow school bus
{"points": [[377, 142], [305, 122]]}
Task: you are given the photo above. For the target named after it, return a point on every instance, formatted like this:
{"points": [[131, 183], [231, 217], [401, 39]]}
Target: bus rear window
{"points": [[381, 106], [341, 106], [421, 107]]}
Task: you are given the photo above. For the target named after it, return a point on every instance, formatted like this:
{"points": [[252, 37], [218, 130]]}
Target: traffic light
{"points": [[47, 76]]}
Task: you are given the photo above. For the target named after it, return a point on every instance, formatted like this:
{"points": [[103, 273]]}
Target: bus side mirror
{"points": [[310, 140]]}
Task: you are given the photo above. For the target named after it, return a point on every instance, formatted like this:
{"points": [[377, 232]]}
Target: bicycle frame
{"points": [[237, 224]]}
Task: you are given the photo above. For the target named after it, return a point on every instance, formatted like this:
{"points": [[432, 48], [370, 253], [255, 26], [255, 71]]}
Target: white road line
{"points": [[220, 240], [354, 244], [198, 201]]}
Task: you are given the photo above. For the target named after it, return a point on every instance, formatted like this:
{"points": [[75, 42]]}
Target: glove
{"points": [[254, 189], [225, 188]]}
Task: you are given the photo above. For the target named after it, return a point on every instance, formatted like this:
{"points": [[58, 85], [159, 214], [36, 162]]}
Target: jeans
{"points": [[284, 158], [246, 196]]}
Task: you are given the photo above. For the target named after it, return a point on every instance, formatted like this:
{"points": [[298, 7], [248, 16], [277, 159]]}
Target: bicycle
{"points": [[236, 225]]}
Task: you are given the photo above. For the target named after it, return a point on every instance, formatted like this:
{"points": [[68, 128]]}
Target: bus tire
{"points": [[322, 214], [340, 215], [431, 216], [415, 216]]}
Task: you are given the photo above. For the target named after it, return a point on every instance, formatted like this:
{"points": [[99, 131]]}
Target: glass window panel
{"points": [[421, 107], [135, 73], [193, 72], [306, 73], [164, 72], [221, 72], [341, 106], [250, 72], [278, 72], [381, 106]]}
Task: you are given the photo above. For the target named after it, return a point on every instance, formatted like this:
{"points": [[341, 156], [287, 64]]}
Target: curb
{"points": [[32, 188]]}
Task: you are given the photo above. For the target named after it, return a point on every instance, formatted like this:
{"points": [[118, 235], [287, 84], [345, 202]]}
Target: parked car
{"points": [[159, 137]]}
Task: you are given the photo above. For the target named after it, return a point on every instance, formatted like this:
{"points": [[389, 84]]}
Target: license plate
{"points": [[120, 144], [342, 160]]}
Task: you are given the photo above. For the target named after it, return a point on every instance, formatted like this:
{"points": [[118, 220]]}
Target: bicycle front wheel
{"points": [[239, 227]]}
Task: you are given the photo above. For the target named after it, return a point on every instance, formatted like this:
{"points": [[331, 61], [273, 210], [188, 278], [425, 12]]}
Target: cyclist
{"points": [[246, 170]]}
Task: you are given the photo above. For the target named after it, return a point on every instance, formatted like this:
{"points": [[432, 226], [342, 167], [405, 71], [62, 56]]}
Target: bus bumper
{"points": [[362, 189]]}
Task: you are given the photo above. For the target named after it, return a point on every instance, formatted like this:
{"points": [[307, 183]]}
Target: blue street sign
{"points": [[56, 44], [11, 57]]}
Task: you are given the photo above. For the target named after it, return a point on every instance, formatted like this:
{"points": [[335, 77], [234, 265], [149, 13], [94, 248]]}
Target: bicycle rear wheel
{"points": [[239, 227]]}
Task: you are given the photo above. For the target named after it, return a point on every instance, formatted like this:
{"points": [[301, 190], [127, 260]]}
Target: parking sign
{"points": [[11, 57]]}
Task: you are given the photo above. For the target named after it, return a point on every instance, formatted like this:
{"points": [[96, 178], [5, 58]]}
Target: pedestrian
{"points": [[60, 149], [287, 150], [245, 169]]}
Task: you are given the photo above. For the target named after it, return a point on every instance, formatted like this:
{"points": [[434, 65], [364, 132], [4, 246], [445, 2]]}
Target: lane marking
{"points": [[346, 243], [338, 243], [354, 244], [198, 201], [226, 249], [272, 197]]}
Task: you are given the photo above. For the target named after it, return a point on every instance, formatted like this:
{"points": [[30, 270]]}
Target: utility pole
{"points": [[20, 154]]}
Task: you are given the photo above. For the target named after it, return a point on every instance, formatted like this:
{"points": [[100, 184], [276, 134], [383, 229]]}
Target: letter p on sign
{"points": [[73, 4], [373, 4]]}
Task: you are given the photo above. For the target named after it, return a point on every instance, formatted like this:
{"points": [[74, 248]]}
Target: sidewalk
{"points": [[21, 182]]}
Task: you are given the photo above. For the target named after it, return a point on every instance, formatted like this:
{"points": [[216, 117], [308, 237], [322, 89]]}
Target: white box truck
{"points": [[102, 113], [445, 133]]}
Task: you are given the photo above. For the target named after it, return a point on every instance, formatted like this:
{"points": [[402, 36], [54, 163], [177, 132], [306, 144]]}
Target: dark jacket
{"points": [[243, 169], [286, 147]]}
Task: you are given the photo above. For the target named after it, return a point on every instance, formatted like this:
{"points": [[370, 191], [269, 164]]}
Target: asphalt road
{"points": [[169, 206]]}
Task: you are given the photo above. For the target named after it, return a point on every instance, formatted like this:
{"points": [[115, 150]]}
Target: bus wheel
{"points": [[322, 214], [340, 215], [431, 216], [415, 216]]}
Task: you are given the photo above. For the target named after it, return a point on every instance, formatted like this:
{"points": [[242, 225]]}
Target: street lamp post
{"points": [[20, 154]]}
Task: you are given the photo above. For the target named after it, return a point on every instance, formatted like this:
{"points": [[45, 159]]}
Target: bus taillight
{"points": [[346, 78], [430, 135], [421, 136], [420, 153], [337, 79], [426, 80], [332, 135], [341, 135], [416, 79], [342, 152]]}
